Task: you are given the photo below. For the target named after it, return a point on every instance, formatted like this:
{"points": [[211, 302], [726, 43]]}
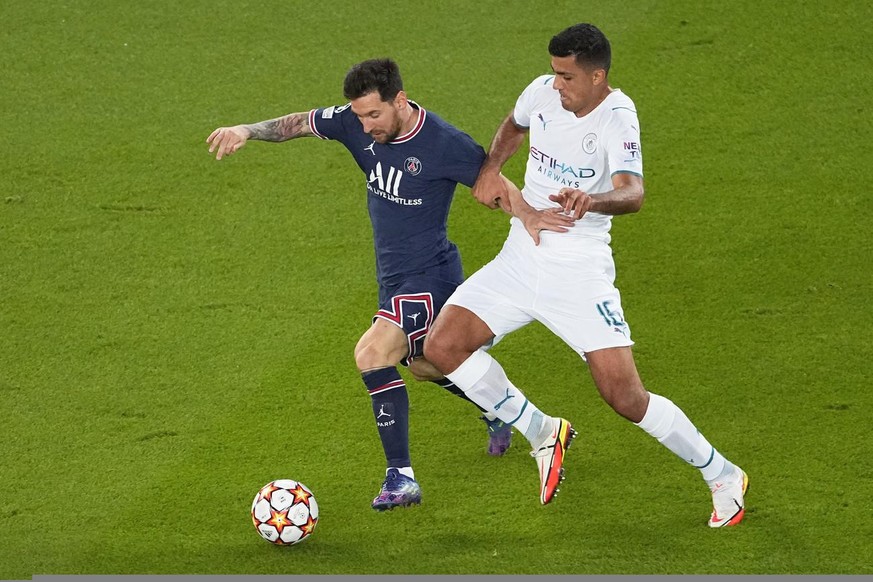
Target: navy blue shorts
{"points": [[413, 306]]}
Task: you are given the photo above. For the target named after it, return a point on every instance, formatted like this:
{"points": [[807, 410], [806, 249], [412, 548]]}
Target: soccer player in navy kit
{"points": [[412, 160]]}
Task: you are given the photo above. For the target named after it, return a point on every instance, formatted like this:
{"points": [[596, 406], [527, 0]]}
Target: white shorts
{"points": [[565, 283]]}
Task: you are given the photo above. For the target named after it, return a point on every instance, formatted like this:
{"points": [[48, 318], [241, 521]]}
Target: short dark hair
{"points": [[382, 75], [586, 43]]}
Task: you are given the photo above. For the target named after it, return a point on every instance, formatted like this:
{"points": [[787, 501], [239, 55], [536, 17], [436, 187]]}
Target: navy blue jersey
{"points": [[410, 184]]}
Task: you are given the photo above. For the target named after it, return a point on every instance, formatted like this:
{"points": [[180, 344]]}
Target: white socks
{"points": [[403, 471], [667, 423], [484, 382]]}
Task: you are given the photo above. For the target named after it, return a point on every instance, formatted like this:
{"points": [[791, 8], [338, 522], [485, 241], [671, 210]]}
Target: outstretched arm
{"points": [[227, 140], [489, 188]]}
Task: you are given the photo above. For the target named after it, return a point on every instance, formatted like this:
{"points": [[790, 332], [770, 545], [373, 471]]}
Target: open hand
{"points": [[227, 140], [574, 202], [552, 219]]}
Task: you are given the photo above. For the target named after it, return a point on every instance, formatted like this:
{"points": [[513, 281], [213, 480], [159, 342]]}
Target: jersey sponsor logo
{"points": [[341, 108], [388, 185], [392, 182], [589, 143], [633, 149], [560, 167], [413, 166], [563, 173]]}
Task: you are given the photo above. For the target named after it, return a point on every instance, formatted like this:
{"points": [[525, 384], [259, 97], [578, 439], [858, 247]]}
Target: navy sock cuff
{"points": [[382, 379]]}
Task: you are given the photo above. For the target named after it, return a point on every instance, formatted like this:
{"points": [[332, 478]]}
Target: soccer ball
{"points": [[284, 512]]}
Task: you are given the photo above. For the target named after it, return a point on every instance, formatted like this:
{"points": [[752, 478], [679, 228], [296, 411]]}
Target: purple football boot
{"points": [[499, 436], [398, 490]]}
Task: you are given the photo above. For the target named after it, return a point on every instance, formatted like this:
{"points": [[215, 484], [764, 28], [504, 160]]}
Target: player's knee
{"points": [[628, 400], [435, 349], [372, 355], [446, 351]]}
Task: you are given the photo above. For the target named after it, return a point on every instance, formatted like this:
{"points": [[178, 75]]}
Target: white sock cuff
{"points": [[658, 420], [471, 370]]}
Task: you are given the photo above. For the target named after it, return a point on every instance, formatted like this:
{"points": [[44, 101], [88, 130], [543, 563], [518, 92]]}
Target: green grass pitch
{"points": [[175, 331]]}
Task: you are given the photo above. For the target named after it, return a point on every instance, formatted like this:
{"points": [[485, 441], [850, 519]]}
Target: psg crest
{"points": [[412, 165]]}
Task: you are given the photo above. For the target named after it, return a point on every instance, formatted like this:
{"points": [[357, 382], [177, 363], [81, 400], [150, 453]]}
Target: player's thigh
{"points": [[498, 295], [585, 312], [412, 308], [459, 329]]}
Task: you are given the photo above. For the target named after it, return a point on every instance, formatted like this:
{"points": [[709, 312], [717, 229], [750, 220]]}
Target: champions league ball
{"points": [[284, 512]]}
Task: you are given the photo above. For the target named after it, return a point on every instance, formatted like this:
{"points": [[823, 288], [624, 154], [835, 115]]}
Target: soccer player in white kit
{"points": [[584, 160]]}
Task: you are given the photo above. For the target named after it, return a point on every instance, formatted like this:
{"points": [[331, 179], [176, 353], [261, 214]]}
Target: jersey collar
{"points": [[422, 114]]}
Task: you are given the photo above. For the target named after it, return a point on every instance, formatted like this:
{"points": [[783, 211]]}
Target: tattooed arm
{"points": [[228, 140], [280, 129]]}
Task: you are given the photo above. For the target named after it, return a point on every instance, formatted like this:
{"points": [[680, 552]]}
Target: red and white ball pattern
{"points": [[285, 512]]}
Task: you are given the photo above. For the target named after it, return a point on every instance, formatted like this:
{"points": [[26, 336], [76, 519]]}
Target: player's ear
{"points": [[400, 100], [599, 76]]}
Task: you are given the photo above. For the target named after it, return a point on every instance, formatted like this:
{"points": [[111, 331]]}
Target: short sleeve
{"points": [[463, 159], [623, 144], [331, 122], [524, 103]]}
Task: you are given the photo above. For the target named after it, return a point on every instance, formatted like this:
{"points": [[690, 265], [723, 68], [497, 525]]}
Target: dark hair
{"points": [[382, 75], [586, 43]]}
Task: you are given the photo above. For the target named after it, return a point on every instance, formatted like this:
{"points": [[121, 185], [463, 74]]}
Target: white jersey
{"points": [[576, 152]]}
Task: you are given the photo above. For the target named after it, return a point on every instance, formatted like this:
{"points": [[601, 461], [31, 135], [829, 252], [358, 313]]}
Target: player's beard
{"points": [[389, 135]]}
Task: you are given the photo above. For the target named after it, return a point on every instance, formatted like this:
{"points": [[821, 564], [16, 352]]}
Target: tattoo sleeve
{"points": [[282, 128]]}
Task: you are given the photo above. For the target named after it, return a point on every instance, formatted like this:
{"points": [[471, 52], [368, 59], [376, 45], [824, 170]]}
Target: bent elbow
{"points": [[637, 204]]}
